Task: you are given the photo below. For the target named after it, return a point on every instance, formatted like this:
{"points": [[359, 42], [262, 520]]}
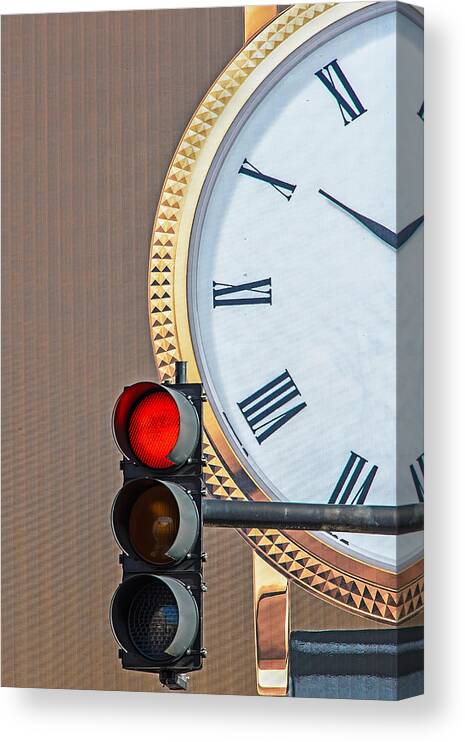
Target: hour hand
{"points": [[393, 239]]}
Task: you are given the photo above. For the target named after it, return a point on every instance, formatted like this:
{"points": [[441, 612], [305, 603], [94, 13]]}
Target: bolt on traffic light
{"points": [[156, 612]]}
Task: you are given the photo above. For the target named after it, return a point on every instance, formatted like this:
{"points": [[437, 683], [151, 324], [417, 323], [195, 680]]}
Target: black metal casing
{"points": [[189, 571]]}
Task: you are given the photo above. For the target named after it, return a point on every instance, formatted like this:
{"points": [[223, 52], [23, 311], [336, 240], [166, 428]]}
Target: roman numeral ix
{"points": [[259, 408], [349, 103], [254, 292], [351, 480], [285, 189], [417, 471]]}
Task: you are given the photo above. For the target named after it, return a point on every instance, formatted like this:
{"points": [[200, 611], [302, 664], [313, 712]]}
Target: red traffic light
{"points": [[154, 429], [155, 426]]}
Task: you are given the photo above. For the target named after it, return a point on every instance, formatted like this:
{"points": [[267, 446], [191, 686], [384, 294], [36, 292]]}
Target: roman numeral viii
{"points": [[333, 78], [350, 480], [254, 292], [285, 189], [417, 471], [259, 409]]}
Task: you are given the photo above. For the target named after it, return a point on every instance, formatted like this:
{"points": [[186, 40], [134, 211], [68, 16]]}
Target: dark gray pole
{"points": [[381, 519], [180, 372]]}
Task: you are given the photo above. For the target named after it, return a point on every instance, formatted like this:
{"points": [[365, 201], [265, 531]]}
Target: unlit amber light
{"points": [[154, 524]]}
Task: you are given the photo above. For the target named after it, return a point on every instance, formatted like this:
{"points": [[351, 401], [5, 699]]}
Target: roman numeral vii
{"points": [[334, 79], [351, 483], [259, 409]]}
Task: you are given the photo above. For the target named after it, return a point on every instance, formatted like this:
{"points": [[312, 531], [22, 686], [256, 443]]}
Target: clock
{"points": [[286, 268]]}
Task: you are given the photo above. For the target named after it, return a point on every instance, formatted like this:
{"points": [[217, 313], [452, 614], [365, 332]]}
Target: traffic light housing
{"points": [[156, 517]]}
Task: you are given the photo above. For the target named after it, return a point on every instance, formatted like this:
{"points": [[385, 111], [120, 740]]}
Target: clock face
{"points": [[305, 278]]}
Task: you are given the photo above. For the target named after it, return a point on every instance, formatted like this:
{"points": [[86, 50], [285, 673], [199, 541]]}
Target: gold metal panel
{"points": [[271, 615], [257, 16]]}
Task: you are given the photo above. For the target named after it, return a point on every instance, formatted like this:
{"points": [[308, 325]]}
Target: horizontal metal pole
{"points": [[380, 519]]}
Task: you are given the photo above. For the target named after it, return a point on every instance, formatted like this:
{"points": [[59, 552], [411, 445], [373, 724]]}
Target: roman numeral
{"points": [[350, 479], [417, 471], [279, 185], [254, 292], [346, 97], [421, 112], [259, 408]]}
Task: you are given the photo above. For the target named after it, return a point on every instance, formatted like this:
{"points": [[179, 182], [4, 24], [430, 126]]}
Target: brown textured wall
{"points": [[93, 107]]}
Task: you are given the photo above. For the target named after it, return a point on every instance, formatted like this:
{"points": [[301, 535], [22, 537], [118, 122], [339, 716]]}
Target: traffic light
{"points": [[156, 612]]}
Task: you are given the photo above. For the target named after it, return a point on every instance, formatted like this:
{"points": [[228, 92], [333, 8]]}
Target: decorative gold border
{"points": [[337, 578]]}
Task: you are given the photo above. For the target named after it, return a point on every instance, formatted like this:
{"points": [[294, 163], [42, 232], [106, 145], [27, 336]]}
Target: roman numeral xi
{"points": [[254, 292], [351, 487], [260, 407], [334, 79]]}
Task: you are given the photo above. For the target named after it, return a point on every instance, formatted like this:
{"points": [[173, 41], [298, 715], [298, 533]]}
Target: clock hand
{"points": [[407, 232], [393, 239]]}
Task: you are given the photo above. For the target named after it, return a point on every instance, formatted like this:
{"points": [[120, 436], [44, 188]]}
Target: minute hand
{"points": [[393, 239]]}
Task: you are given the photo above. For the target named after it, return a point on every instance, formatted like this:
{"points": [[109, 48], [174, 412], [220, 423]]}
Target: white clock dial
{"points": [[307, 233]]}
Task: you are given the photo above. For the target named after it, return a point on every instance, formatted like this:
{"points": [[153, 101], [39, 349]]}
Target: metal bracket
{"points": [[173, 680]]}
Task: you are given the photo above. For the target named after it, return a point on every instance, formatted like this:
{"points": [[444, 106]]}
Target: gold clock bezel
{"points": [[334, 576]]}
